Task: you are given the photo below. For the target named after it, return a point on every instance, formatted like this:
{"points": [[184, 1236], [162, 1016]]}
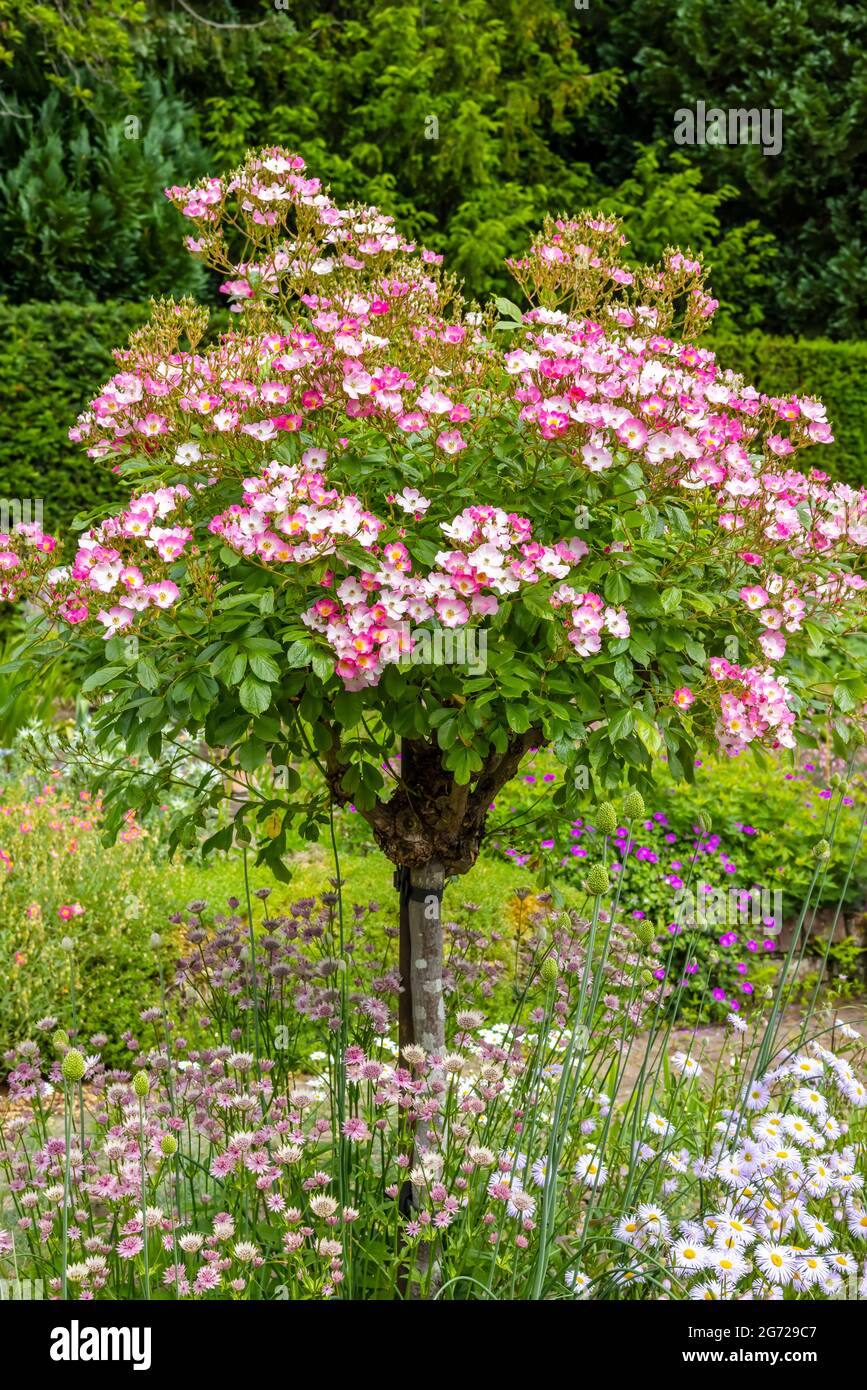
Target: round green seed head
{"points": [[549, 971], [645, 933], [141, 1084], [822, 850], [633, 806], [646, 977], [598, 881], [606, 818], [168, 1145], [73, 1066]]}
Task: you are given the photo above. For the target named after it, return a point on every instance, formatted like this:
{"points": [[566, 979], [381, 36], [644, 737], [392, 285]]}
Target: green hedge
{"points": [[835, 372], [55, 356], [53, 359]]}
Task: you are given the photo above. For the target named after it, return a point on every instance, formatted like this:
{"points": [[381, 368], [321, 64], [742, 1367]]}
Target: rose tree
{"points": [[363, 465]]}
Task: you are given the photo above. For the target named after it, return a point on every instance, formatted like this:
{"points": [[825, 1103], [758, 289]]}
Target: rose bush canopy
{"points": [[365, 458]]}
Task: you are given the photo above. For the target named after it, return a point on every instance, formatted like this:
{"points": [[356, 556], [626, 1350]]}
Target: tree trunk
{"points": [[421, 1020], [422, 1011]]}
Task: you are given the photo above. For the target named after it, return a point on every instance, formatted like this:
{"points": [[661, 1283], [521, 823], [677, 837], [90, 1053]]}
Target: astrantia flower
{"points": [[129, 1247], [355, 1128]]}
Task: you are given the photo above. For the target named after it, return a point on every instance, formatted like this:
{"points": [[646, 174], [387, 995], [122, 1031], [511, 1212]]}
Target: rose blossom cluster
{"points": [[495, 555], [589, 616], [269, 187], [124, 558], [753, 706], [781, 605]]}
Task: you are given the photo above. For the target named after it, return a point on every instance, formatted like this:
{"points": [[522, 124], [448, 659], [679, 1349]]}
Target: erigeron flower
{"points": [[803, 1065], [685, 1064], [727, 1263], [578, 1281], [856, 1220], [777, 1262], [658, 1124], [757, 1096], [590, 1171], [708, 1291], [687, 1255], [653, 1222], [841, 1261], [629, 1229], [810, 1100]]}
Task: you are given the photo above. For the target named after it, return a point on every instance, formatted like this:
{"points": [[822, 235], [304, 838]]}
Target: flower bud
{"points": [[822, 850], [168, 1145], [156, 940], [141, 1084], [597, 880], [713, 957], [645, 933], [549, 971], [704, 821], [73, 1066], [60, 1040], [606, 818], [646, 977], [633, 806], [67, 944]]}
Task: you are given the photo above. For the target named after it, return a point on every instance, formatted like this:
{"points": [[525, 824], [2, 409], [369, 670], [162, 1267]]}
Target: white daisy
{"points": [[687, 1255], [820, 1234], [777, 1262], [811, 1269], [590, 1171]]}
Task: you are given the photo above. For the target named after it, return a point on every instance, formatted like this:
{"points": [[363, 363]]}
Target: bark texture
{"points": [[429, 816]]}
